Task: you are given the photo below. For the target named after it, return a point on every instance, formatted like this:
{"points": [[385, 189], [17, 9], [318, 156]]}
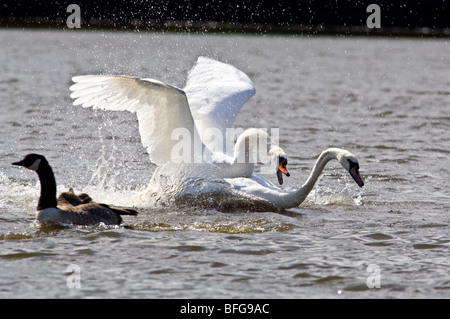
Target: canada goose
{"points": [[68, 207]]}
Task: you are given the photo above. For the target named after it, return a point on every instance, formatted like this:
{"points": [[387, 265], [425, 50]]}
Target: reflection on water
{"points": [[385, 100]]}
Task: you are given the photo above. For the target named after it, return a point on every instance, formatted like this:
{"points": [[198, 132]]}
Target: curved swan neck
{"points": [[323, 159], [249, 140], [48, 186], [297, 197]]}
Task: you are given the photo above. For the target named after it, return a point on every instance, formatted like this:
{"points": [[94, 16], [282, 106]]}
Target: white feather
{"points": [[160, 108], [216, 92]]}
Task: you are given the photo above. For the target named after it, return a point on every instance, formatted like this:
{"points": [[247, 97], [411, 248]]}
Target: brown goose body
{"points": [[68, 208]]}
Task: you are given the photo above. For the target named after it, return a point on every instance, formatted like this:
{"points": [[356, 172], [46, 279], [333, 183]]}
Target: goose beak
{"points": [[20, 163], [280, 171], [354, 171]]}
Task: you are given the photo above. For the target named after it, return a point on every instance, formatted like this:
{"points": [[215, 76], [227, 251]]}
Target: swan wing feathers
{"points": [[216, 91], [160, 108]]}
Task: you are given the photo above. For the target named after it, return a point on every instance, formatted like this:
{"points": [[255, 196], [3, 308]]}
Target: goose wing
{"points": [[120, 210], [216, 92], [162, 110], [92, 214]]}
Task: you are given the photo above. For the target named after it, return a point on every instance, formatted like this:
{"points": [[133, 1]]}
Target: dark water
{"points": [[385, 100]]}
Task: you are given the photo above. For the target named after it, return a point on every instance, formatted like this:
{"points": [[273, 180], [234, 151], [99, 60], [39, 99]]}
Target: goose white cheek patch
{"points": [[35, 165]]}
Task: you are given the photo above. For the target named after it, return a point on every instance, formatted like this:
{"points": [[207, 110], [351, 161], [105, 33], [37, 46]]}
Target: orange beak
{"points": [[282, 169]]}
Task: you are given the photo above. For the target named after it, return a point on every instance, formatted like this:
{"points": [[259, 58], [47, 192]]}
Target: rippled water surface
{"points": [[385, 100]]}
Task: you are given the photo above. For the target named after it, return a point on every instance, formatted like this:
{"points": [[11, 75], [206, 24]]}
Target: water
{"points": [[385, 100]]}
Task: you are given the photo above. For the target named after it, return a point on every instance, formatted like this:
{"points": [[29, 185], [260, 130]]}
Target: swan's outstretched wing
{"points": [[162, 110], [216, 92]]}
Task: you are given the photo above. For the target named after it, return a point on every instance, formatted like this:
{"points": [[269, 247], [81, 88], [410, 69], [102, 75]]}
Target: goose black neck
{"points": [[48, 186]]}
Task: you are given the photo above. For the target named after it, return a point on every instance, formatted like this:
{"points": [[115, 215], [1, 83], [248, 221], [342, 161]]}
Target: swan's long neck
{"points": [[249, 140], [297, 197], [242, 164], [48, 187]]}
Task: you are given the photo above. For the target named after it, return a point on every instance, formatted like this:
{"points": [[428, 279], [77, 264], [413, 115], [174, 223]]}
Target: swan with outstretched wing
{"points": [[214, 94], [177, 125]]}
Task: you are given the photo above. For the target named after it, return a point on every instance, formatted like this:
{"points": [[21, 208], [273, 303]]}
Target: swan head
{"points": [[350, 164], [279, 157], [31, 161]]}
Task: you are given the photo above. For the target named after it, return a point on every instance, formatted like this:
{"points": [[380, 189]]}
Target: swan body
{"points": [[68, 208], [201, 185], [181, 126]]}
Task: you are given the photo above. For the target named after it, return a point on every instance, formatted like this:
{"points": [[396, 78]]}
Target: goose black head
{"points": [[31, 161]]}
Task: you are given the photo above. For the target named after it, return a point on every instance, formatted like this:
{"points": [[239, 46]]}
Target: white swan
{"points": [[190, 125], [200, 185], [258, 186], [68, 208], [215, 91]]}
